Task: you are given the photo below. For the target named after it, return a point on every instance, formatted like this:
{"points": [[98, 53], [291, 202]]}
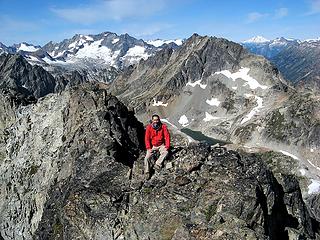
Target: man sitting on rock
{"points": [[157, 138]]}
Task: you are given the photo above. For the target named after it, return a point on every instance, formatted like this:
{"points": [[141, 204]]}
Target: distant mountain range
{"points": [[100, 57], [90, 52], [297, 60]]}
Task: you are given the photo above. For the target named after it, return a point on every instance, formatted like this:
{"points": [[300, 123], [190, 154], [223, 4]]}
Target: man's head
{"points": [[155, 121], [155, 117]]}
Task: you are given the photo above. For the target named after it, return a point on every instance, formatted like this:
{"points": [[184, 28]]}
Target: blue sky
{"points": [[39, 21]]}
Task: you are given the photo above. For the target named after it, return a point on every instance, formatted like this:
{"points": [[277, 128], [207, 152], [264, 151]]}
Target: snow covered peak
{"points": [[257, 39], [27, 47], [312, 40], [79, 41], [160, 42]]}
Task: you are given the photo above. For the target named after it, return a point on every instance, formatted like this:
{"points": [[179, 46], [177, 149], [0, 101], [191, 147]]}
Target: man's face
{"points": [[155, 119]]}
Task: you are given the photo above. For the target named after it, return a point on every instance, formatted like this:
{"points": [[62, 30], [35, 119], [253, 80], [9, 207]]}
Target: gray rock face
{"points": [[18, 75], [80, 138], [5, 49], [71, 168], [218, 195], [300, 64], [296, 121], [167, 73]]}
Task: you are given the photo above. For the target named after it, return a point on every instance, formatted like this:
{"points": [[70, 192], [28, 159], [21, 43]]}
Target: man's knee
{"points": [[164, 153], [148, 154]]}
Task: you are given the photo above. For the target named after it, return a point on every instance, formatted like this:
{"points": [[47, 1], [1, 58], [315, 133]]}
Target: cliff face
{"points": [[59, 145], [19, 76], [72, 168]]}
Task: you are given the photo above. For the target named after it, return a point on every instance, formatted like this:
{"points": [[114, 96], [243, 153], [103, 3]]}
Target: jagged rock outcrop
{"points": [[17, 75], [71, 168], [218, 194], [55, 148], [25, 83]]}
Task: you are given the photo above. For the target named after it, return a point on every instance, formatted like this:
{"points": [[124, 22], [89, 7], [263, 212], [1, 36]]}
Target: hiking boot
{"points": [[157, 167], [147, 176]]}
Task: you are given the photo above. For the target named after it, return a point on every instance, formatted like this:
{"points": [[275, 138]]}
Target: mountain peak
{"points": [[160, 42], [257, 39], [312, 40]]}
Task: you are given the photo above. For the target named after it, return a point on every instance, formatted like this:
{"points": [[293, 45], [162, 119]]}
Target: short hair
{"points": [[155, 115]]}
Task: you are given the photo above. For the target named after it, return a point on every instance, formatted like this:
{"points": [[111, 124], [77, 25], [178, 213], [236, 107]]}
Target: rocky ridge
{"points": [[75, 171], [17, 74]]}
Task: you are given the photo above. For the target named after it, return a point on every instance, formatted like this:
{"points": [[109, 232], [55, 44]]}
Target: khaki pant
{"points": [[163, 153]]}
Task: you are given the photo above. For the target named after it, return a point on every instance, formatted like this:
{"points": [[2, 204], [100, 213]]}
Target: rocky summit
{"points": [[72, 168]]}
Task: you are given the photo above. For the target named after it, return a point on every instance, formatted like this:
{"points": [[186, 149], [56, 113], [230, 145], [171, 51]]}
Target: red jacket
{"points": [[157, 137]]}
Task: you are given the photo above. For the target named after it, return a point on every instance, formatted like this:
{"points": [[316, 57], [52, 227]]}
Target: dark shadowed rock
{"points": [[18, 75]]}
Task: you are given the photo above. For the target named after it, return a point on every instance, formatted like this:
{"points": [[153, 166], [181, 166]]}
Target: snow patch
{"points": [[96, 51], [26, 48], [311, 150], [289, 154], [48, 60], [115, 40], [190, 139], [312, 40], [213, 102], [243, 74], [159, 103], [313, 164], [52, 53], [209, 117], [302, 171], [159, 42], [58, 54], [166, 121], [88, 38], [254, 110], [257, 39], [234, 88], [203, 86], [314, 187], [32, 58], [80, 42], [135, 53], [184, 121]]}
